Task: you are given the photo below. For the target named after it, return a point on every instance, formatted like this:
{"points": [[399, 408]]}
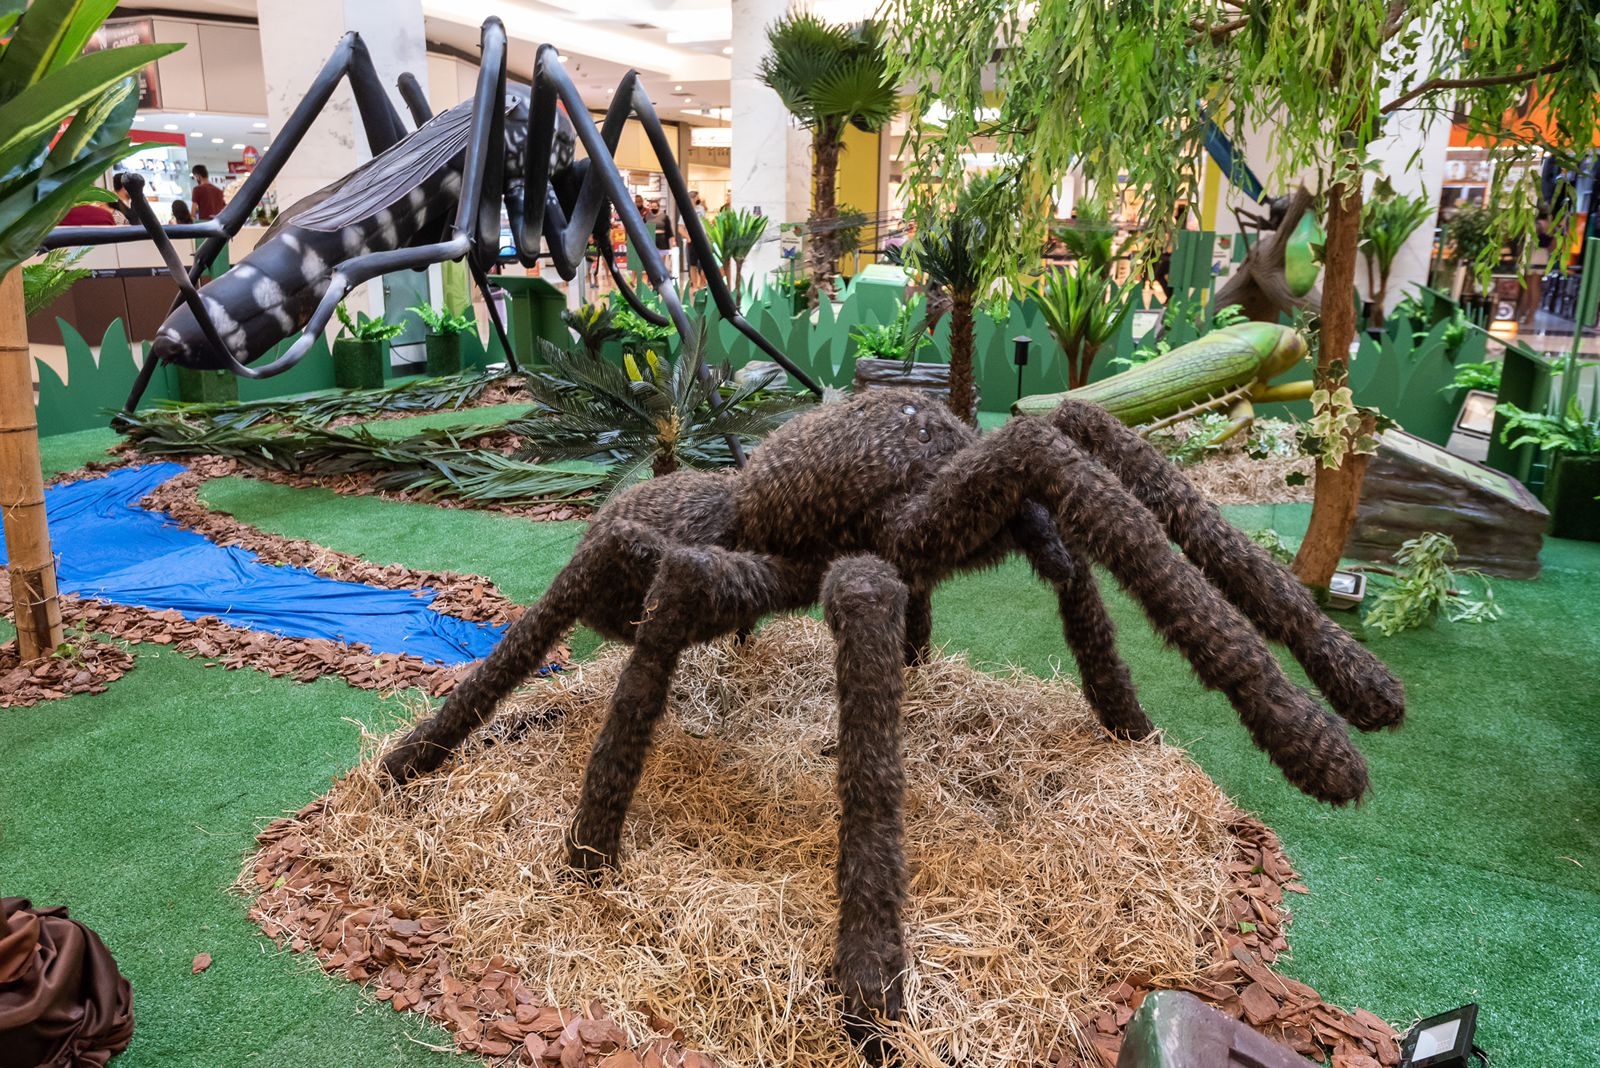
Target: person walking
{"points": [[207, 199]]}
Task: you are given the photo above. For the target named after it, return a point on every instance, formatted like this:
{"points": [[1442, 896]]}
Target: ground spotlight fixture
{"points": [[1019, 356], [1443, 1041]]}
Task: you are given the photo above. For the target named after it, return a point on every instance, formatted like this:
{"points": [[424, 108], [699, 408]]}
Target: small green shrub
{"points": [[1424, 587], [1569, 432], [901, 338]]}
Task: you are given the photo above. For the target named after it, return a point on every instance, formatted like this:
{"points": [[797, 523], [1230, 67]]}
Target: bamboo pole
{"points": [[35, 605]]}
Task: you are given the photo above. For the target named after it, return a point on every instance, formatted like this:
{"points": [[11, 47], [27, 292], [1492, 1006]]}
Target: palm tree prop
{"points": [[654, 415], [1387, 221], [830, 77], [44, 171], [951, 251]]}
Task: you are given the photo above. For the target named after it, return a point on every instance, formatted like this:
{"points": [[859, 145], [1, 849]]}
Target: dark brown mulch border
{"points": [[83, 665], [305, 907]]}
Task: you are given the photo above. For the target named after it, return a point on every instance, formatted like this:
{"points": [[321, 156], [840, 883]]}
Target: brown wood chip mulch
{"points": [[210, 638], [84, 665], [488, 1008]]}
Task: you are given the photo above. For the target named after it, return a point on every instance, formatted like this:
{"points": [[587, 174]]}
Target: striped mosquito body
{"points": [[403, 197]]}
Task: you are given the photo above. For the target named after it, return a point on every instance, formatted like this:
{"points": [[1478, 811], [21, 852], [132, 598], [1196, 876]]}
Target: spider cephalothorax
{"points": [[864, 506]]}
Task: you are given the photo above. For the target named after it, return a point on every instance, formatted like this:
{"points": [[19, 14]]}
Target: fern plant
{"points": [[43, 283], [1425, 587], [1485, 376], [440, 321], [653, 416], [1569, 432], [365, 328], [901, 338]]}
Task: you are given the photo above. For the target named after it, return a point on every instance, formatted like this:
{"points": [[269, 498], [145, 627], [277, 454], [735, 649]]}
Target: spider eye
{"points": [[922, 435], [909, 409]]}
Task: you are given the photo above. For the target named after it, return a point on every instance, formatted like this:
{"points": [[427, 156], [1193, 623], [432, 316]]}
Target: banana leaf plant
{"points": [[66, 115]]}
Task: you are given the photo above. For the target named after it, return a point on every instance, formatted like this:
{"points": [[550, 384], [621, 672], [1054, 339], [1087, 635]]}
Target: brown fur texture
{"points": [[865, 505]]}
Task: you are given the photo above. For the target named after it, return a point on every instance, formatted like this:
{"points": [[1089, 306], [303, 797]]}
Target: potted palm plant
{"points": [[443, 339], [830, 77], [1082, 305], [734, 235], [1470, 234], [360, 352], [1572, 486], [1387, 221]]}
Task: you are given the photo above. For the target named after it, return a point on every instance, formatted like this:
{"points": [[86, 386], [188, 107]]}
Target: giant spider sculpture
{"points": [[427, 197], [866, 505]]}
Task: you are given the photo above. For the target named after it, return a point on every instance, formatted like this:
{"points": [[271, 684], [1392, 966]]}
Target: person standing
{"points": [[207, 198], [1538, 264]]}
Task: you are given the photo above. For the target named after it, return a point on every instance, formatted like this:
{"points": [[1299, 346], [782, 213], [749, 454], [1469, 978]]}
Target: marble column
{"points": [[771, 157], [296, 39]]}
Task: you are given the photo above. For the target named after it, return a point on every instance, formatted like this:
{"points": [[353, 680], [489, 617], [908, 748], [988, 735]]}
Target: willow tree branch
{"points": [[1435, 84], [1219, 31]]}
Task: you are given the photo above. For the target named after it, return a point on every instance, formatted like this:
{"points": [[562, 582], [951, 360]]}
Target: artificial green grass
{"points": [[1473, 872]]}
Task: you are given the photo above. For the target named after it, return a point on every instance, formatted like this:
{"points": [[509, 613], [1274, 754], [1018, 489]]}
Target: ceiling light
{"points": [[216, 140], [258, 126], [238, 148], [677, 88], [169, 126], [727, 51], [688, 100], [191, 114], [196, 133], [562, 58]]}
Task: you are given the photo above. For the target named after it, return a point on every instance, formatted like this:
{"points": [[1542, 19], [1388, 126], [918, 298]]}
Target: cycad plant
{"points": [[652, 415], [594, 324], [45, 81], [830, 77], [1387, 221], [951, 252], [734, 235]]}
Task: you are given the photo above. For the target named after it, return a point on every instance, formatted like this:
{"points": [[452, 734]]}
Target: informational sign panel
{"points": [[120, 33]]}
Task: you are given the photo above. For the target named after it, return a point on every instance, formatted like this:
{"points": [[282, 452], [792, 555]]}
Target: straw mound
{"points": [[1048, 861], [1230, 475]]}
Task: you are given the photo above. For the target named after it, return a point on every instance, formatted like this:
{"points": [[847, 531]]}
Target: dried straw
{"points": [[1230, 475], [1048, 861]]}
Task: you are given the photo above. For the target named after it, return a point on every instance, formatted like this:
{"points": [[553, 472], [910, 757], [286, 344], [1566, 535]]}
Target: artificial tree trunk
{"points": [[961, 398], [822, 248], [1338, 489], [35, 605]]}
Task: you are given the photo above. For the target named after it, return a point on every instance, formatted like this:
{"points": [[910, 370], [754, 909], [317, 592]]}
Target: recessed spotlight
{"points": [[688, 100], [238, 148], [677, 88], [196, 133], [216, 140], [258, 126], [169, 126], [727, 51]]}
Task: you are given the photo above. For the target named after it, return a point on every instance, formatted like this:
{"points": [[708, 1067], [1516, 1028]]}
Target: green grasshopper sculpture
{"points": [[1229, 370]]}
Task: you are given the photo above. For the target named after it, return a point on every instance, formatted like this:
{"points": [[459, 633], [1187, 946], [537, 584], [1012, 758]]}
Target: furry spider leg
{"points": [[1086, 625], [1095, 515], [1358, 686], [864, 603]]}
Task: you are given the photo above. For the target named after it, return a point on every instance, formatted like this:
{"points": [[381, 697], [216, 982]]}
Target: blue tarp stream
{"points": [[109, 548]]}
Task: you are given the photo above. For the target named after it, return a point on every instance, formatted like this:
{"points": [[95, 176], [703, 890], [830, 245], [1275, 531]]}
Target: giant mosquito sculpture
{"points": [[426, 197]]}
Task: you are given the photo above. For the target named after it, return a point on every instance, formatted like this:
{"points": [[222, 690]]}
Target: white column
{"points": [[771, 158], [296, 40]]}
